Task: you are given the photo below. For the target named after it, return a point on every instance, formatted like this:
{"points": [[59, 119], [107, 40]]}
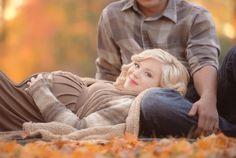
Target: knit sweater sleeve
{"points": [[50, 107], [53, 110], [112, 115]]}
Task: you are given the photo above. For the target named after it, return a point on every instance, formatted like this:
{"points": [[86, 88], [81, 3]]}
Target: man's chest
{"points": [[132, 35]]}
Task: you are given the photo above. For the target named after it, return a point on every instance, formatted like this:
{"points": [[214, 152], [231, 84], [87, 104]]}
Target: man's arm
{"points": [[202, 55], [205, 81], [108, 62]]}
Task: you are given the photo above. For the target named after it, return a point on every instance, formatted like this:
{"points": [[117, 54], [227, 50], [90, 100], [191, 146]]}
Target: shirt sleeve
{"points": [[108, 62], [203, 46]]}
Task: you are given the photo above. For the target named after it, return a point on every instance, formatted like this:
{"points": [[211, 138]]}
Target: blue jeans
{"points": [[164, 111]]}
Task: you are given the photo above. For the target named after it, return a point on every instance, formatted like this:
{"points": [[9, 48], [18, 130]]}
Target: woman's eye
{"points": [[136, 65], [148, 74]]}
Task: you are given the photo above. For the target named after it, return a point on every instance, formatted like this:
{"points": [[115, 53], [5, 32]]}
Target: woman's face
{"points": [[143, 75]]}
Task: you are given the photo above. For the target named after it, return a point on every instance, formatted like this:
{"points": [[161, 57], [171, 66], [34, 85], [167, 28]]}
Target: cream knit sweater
{"points": [[120, 118]]}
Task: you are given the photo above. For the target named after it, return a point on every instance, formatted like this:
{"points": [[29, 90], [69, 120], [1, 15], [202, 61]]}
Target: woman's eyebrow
{"points": [[148, 69]]}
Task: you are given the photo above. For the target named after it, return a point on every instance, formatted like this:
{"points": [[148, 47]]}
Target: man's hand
{"points": [[205, 82], [208, 119]]}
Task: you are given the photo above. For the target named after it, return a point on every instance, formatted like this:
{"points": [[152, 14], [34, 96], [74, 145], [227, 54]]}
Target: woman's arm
{"points": [[50, 107], [53, 110], [112, 115]]}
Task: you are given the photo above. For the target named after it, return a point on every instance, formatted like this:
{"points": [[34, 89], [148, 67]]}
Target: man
{"points": [[186, 31]]}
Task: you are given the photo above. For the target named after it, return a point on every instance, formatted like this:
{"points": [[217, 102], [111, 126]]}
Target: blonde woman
{"points": [[75, 101]]}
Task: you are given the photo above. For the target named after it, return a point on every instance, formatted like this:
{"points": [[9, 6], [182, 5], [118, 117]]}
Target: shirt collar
{"points": [[128, 4], [170, 11]]}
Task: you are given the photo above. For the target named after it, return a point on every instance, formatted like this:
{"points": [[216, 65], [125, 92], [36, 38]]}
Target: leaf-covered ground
{"points": [[213, 146]]}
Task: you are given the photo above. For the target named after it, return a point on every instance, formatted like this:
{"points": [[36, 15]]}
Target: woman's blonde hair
{"points": [[174, 74]]}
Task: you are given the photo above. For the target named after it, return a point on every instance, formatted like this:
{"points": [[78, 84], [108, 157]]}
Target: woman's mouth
{"points": [[133, 81]]}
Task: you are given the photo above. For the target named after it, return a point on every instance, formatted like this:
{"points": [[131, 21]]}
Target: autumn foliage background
{"points": [[47, 35]]}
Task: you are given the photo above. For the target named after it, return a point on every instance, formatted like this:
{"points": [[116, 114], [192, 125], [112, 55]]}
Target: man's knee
{"points": [[233, 50], [232, 54], [228, 68], [161, 102], [164, 112]]}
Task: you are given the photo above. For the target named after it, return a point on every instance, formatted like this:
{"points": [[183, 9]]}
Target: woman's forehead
{"points": [[150, 63], [150, 60]]}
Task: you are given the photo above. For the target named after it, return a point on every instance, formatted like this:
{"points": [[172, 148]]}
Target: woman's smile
{"points": [[133, 82], [143, 75]]}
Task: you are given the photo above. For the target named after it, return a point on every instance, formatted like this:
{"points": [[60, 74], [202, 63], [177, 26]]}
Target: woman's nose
{"points": [[136, 73]]}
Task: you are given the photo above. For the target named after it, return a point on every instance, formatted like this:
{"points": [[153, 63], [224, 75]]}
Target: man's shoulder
{"points": [[115, 6], [192, 7]]}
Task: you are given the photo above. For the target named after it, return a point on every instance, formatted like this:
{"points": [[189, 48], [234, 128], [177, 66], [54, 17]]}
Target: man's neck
{"points": [[155, 10]]}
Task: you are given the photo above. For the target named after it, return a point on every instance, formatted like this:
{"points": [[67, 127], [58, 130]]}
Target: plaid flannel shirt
{"points": [[183, 29]]}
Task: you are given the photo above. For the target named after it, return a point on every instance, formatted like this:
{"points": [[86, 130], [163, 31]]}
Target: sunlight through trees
{"points": [[37, 35]]}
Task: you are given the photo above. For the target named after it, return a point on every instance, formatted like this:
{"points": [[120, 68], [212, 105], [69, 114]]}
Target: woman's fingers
{"points": [[33, 80]]}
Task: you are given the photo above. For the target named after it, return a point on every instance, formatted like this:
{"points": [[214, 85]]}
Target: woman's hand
{"points": [[41, 80]]}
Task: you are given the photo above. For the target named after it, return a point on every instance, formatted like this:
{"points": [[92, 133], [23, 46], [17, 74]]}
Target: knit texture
{"points": [[57, 130]]}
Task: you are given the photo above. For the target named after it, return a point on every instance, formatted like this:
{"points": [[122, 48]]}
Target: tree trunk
{"points": [[2, 27]]}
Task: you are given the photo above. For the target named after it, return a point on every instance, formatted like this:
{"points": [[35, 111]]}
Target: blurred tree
{"points": [[224, 15], [51, 35], [38, 35], [2, 28]]}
